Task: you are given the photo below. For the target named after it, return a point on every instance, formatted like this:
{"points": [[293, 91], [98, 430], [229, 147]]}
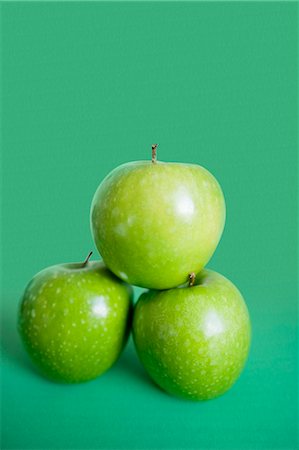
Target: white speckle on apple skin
{"points": [[123, 276]]}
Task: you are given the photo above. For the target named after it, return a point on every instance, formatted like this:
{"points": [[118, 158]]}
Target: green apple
{"points": [[74, 320], [194, 340], [155, 222]]}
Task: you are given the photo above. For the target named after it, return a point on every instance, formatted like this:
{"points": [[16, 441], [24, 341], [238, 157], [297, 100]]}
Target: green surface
{"points": [[89, 86]]}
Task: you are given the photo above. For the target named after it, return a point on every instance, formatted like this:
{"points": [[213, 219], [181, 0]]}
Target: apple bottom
{"points": [[85, 364], [193, 341]]}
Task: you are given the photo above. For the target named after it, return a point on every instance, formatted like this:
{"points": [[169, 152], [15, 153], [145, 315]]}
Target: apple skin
{"points": [[193, 341], [74, 320], [154, 223]]}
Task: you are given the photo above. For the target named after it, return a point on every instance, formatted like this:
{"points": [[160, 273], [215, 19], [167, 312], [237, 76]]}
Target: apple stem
{"points": [[154, 153], [87, 259], [192, 277]]}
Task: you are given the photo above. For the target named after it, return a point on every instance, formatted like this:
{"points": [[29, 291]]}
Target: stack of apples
{"points": [[156, 225]]}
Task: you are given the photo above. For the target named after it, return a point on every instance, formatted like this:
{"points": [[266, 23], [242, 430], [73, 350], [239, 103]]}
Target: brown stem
{"points": [[192, 277], [87, 259], [154, 153]]}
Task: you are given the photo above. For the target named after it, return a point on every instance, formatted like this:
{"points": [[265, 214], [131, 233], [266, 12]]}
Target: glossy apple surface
{"points": [[74, 320], [193, 341], [154, 223]]}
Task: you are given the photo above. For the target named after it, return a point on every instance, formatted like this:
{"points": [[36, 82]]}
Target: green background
{"points": [[87, 86]]}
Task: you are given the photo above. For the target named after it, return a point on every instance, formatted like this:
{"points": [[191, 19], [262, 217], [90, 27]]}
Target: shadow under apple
{"points": [[129, 362]]}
